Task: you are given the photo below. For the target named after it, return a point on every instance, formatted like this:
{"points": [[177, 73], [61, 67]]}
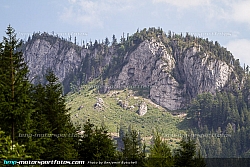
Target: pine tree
{"points": [[40, 124], [15, 104], [107, 41], [229, 129], [132, 148], [114, 40], [122, 130], [95, 44], [160, 153], [96, 144], [51, 109], [185, 156], [215, 145]]}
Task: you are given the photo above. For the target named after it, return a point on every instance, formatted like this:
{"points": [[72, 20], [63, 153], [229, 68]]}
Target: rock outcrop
{"points": [[99, 105], [124, 104], [143, 109], [42, 55], [150, 65], [172, 76], [72, 64]]}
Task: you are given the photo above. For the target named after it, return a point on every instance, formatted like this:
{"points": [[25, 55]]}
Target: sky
{"points": [[225, 21]]}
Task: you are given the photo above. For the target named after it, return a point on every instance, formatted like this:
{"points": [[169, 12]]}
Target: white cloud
{"points": [[240, 11], [81, 12], [92, 13], [240, 48], [230, 10], [184, 3]]}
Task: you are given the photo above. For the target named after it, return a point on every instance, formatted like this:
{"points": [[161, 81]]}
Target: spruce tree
{"points": [[185, 156], [132, 150], [40, 122], [160, 153], [52, 117], [96, 144], [15, 103]]}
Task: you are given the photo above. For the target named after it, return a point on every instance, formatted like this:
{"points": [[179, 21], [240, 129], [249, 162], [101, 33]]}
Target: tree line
{"points": [[224, 114]]}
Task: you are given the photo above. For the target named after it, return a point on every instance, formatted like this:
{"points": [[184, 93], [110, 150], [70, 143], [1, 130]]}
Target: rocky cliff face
{"points": [[42, 55], [173, 77], [69, 62], [151, 65], [204, 73]]}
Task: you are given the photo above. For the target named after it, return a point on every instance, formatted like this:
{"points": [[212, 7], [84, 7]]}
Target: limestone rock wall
{"points": [[41, 55], [173, 77], [151, 65]]}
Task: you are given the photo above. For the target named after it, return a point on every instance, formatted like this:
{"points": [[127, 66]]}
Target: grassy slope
{"points": [[113, 114]]}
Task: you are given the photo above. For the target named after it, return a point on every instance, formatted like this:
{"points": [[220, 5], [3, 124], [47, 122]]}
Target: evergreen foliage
{"points": [[225, 117], [15, 103], [51, 118], [96, 144], [132, 149], [160, 153], [185, 156], [10, 151]]}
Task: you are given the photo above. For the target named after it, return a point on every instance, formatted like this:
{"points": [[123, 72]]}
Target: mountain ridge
{"points": [[173, 69]]}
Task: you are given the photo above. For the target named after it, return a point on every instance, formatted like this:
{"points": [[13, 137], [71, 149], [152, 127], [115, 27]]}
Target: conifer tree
{"points": [[160, 153], [122, 130], [114, 40], [40, 123], [96, 144], [185, 156], [15, 103], [107, 41], [132, 149], [51, 117]]}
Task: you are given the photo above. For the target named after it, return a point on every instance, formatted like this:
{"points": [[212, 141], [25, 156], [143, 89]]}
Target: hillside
{"points": [[174, 68], [152, 80], [119, 110]]}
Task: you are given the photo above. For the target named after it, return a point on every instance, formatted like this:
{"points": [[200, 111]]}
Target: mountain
{"points": [[170, 69], [152, 80]]}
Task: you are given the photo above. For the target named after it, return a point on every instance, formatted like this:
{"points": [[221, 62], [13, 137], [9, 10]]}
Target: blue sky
{"points": [[225, 21]]}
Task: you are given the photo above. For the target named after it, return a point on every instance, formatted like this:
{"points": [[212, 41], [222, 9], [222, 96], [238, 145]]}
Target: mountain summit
{"points": [[171, 68]]}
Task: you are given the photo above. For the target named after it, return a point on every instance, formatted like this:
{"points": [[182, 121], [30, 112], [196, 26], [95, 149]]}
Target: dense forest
{"points": [[28, 111], [225, 115]]}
